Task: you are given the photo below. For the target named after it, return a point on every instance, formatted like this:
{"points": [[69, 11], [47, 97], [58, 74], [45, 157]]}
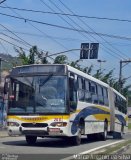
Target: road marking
{"points": [[91, 150]]}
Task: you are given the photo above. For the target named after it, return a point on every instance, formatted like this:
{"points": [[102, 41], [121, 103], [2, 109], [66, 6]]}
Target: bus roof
{"points": [[118, 93]]}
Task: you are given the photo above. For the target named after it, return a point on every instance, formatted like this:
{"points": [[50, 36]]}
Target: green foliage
{"points": [[34, 56], [98, 74], [61, 59], [22, 56], [129, 98], [87, 70]]}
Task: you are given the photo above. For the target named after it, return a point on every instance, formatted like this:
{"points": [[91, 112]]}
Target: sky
{"points": [[53, 39]]}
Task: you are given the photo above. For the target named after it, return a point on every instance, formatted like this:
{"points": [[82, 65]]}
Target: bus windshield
{"points": [[37, 94]]}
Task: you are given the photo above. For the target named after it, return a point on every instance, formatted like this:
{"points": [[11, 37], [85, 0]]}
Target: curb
{"points": [[4, 133], [122, 150]]}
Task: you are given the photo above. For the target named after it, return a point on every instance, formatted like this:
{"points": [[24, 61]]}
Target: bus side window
{"points": [[100, 95], [87, 91], [125, 106], [93, 90], [81, 91], [116, 101], [72, 94], [105, 93]]}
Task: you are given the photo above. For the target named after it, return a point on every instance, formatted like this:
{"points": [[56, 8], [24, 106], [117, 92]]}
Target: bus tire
{"points": [[104, 134], [76, 140], [31, 139]]}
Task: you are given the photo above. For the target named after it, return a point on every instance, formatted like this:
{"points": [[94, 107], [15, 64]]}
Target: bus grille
{"points": [[34, 125]]}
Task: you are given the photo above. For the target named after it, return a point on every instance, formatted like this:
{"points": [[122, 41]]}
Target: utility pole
{"points": [[120, 74], [101, 61]]}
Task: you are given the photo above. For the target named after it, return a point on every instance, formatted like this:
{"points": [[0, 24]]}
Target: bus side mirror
{"points": [[6, 88]]}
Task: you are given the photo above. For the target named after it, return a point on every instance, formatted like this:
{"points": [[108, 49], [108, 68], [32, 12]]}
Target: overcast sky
{"points": [[54, 39]]}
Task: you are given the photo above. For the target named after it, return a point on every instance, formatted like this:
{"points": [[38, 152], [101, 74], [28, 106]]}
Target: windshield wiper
{"points": [[46, 80]]}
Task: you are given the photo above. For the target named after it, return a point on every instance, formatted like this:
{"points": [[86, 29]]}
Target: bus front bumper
{"points": [[40, 132]]}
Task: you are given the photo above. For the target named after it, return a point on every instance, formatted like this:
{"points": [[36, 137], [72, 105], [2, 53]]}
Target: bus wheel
{"points": [[77, 139], [104, 134], [31, 139]]}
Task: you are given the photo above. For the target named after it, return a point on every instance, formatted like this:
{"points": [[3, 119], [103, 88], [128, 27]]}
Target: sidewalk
{"points": [[3, 132]]}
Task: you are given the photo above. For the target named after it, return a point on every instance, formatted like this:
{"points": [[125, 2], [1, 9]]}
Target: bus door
{"points": [[72, 92]]}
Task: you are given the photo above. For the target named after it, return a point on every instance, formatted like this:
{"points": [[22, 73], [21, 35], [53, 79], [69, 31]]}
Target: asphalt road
{"points": [[49, 148]]}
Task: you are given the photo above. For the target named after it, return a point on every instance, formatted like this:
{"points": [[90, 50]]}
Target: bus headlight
{"points": [[58, 124], [13, 124]]}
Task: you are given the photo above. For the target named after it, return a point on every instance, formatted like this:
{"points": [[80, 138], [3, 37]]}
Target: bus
{"points": [[57, 100]]}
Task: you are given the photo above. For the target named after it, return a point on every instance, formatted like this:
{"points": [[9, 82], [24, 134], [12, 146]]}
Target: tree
{"points": [[24, 59], [88, 70], [61, 59], [34, 56]]}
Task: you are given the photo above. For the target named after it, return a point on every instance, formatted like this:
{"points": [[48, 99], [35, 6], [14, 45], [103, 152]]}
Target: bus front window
{"points": [[38, 94]]}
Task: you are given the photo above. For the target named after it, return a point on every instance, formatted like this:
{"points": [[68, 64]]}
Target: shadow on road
{"points": [[49, 142]]}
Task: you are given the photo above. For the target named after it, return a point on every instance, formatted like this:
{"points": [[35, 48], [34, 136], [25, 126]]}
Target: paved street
{"points": [[48, 146]]}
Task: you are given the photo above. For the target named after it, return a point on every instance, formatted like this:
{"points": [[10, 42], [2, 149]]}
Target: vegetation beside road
{"points": [[129, 126], [112, 149]]}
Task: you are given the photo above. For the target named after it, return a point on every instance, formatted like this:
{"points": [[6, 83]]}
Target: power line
{"points": [[60, 16], [23, 18], [13, 44], [48, 24], [17, 40], [29, 22], [2, 1], [68, 14], [78, 31], [63, 18], [64, 21], [42, 32], [95, 32], [63, 27], [15, 35], [4, 47], [67, 38], [75, 22]]}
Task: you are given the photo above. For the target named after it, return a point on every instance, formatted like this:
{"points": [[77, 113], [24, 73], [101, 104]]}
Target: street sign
{"points": [[94, 50], [89, 50], [84, 52]]}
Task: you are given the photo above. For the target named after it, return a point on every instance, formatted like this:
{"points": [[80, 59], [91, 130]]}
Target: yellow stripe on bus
{"points": [[102, 117], [39, 118]]}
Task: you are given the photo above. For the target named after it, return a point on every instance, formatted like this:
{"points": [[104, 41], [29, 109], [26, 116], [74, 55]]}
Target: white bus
{"points": [[61, 101]]}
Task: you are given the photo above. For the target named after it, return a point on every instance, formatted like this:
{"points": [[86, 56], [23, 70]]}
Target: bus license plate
{"points": [[54, 130]]}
